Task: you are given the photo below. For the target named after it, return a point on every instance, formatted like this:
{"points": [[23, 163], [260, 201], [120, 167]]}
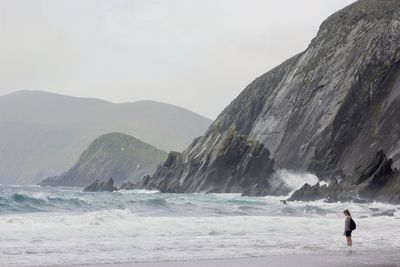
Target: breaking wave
{"points": [[37, 202], [295, 180]]}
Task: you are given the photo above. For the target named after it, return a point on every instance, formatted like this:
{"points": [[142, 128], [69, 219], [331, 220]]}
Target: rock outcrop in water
{"points": [[96, 186], [322, 111], [111, 155], [373, 179], [233, 165]]}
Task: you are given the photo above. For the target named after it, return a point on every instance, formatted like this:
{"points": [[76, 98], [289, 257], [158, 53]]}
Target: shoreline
{"points": [[342, 259]]}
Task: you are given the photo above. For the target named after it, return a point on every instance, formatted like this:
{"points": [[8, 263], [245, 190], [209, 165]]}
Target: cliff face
{"points": [[115, 155], [333, 104], [323, 110]]}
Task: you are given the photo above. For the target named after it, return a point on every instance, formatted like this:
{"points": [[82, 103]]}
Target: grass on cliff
{"points": [[122, 149]]}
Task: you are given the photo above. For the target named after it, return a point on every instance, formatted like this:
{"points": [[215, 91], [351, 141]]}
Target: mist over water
{"points": [[60, 226]]}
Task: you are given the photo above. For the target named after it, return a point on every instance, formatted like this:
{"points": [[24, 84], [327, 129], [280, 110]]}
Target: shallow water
{"points": [[42, 226]]}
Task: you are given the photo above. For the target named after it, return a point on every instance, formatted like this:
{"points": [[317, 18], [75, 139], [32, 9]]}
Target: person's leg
{"points": [[349, 241]]}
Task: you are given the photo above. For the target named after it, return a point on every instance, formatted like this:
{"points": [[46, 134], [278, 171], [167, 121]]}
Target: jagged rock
{"points": [[235, 164], [332, 193], [384, 213], [309, 193], [129, 185], [373, 179], [97, 186]]}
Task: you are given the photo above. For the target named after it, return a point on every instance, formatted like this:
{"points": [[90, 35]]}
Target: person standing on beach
{"points": [[347, 228]]}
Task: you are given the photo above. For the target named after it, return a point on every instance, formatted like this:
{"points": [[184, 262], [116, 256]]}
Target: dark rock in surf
{"points": [[374, 209], [96, 186], [127, 186], [309, 193], [384, 213], [373, 179]]}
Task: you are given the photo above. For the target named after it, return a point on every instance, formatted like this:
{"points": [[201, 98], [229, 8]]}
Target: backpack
{"points": [[353, 225]]}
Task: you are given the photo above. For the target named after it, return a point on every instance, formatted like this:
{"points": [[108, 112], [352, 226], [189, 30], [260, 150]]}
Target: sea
{"points": [[56, 226]]}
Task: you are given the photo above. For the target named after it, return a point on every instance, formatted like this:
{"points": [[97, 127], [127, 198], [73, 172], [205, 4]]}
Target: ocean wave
{"points": [[155, 202], [31, 202], [22, 200], [35, 198], [144, 191]]}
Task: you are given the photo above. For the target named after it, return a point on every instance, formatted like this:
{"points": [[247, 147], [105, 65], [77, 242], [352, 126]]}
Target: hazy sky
{"points": [[197, 54]]}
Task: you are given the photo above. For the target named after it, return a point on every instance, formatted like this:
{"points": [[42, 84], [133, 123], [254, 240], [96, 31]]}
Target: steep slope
{"points": [[43, 134], [325, 109], [114, 155]]}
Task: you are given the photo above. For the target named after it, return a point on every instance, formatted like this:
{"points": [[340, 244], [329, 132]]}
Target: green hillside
{"points": [[115, 155]]}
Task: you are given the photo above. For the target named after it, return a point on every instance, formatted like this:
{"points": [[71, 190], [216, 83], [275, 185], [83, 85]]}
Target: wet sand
{"points": [[345, 259]]}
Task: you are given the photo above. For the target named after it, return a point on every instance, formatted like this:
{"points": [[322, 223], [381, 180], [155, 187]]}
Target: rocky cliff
{"points": [[323, 110], [330, 106], [116, 155]]}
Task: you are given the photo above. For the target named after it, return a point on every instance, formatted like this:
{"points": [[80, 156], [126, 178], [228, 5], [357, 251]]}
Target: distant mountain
{"points": [[42, 134], [114, 155]]}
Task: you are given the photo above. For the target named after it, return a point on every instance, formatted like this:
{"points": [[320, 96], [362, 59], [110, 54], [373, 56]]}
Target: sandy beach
{"points": [[347, 258]]}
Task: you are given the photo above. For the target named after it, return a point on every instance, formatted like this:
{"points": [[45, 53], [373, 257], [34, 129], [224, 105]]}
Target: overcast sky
{"points": [[198, 54]]}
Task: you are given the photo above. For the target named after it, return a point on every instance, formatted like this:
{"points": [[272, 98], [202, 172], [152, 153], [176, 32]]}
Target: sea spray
{"points": [[294, 180]]}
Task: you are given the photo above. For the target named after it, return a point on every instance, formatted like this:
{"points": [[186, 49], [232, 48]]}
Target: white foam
{"points": [[295, 180], [324, 183], [39, 195], [144, 191]]}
